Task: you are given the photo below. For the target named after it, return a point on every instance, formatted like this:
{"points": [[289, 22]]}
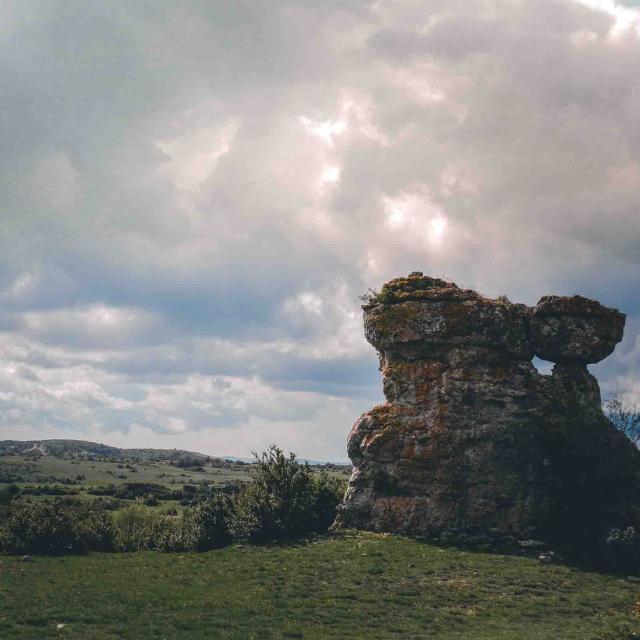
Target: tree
{"points": [[8, 493], [278, 501], [625, 417], [285, 499]]}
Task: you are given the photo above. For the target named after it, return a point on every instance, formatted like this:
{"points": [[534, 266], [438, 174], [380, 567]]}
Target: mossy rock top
{"points": [[417, 286], [577, 306], [418, 312]]}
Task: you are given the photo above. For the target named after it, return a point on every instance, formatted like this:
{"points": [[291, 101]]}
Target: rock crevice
{"points": [[472, 437]]}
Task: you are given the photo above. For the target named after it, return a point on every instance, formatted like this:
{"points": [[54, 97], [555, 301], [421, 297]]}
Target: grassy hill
{"points": [[86, 449], [82, 470], [355, 586]]}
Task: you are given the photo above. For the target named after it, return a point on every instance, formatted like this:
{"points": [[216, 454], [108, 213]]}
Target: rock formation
{"points": [[472, 437]]}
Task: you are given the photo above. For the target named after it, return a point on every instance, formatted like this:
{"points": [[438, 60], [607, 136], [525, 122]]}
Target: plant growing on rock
{"points": [[624, 417]]}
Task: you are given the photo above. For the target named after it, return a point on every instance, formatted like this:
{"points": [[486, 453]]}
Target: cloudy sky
{"points": [[195, 193]]}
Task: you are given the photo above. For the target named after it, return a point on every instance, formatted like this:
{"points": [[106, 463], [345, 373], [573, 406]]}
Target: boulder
{"points": [[471, 437], [575, 329]]}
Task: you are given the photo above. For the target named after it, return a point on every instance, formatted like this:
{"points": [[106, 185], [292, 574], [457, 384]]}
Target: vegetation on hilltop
{"points": [[86, 449], [283, 500]]}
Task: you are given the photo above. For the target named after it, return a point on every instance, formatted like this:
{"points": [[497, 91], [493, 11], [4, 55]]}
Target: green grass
{"points": [[355, 586], [51, 469]]}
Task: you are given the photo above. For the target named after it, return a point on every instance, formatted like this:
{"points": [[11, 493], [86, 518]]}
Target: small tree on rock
{"points": [[625, 417]]}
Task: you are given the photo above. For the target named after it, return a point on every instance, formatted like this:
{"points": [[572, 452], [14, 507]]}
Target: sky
{"points": [[195, 194]]}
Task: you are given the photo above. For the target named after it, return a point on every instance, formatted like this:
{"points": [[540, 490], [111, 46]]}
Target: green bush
{"points": [[328, 495], [206, 525], [7, 494], [138, 528], [96, 531], [284, 499], [42, 528]]}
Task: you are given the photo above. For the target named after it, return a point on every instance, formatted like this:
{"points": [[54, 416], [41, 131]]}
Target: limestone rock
{"points": [[575, 329], [472, 437]]}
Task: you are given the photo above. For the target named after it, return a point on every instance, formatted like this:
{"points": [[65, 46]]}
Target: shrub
{"points": [[206, 525], [328, 493], [7, 494], [138, 528], [277, 502], [171, 535], [169, 510], [43, 528], [56, 528], [284, 499], [624, 417], [96, 531]]}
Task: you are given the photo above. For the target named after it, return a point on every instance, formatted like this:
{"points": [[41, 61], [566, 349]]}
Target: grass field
{"points": [[51, 469], [94, 473], [355, 586]]}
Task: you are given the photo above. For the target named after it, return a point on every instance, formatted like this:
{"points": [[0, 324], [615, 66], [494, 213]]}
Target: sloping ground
{"points": [[60, 447], [356, 586]]}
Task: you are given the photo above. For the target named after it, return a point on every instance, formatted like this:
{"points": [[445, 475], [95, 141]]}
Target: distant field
{"points": [[357, 586], [84, 477], [50, 469]]}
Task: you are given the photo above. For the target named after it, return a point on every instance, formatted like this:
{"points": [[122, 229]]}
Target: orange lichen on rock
{"points": [[472, 437]]}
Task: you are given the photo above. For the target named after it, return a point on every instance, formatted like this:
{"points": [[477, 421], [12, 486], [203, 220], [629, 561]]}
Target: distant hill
{"points": [[83, 448]]}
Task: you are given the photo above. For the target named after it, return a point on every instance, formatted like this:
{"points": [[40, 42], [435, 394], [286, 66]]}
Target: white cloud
{"points": [[193, 155], [624, 22], [324, 130], [98, 325]]}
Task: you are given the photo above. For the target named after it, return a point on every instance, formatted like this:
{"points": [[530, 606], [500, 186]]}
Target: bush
{"points": [[206, 525], [96, 531], [169, 510], [7, 494], [138, 529], [43, 528], [284, 499], [328, 495], [624, 417]]}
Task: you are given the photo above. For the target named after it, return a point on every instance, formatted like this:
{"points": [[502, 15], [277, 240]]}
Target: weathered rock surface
{"points": [[575, 329], [472, 437]]}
